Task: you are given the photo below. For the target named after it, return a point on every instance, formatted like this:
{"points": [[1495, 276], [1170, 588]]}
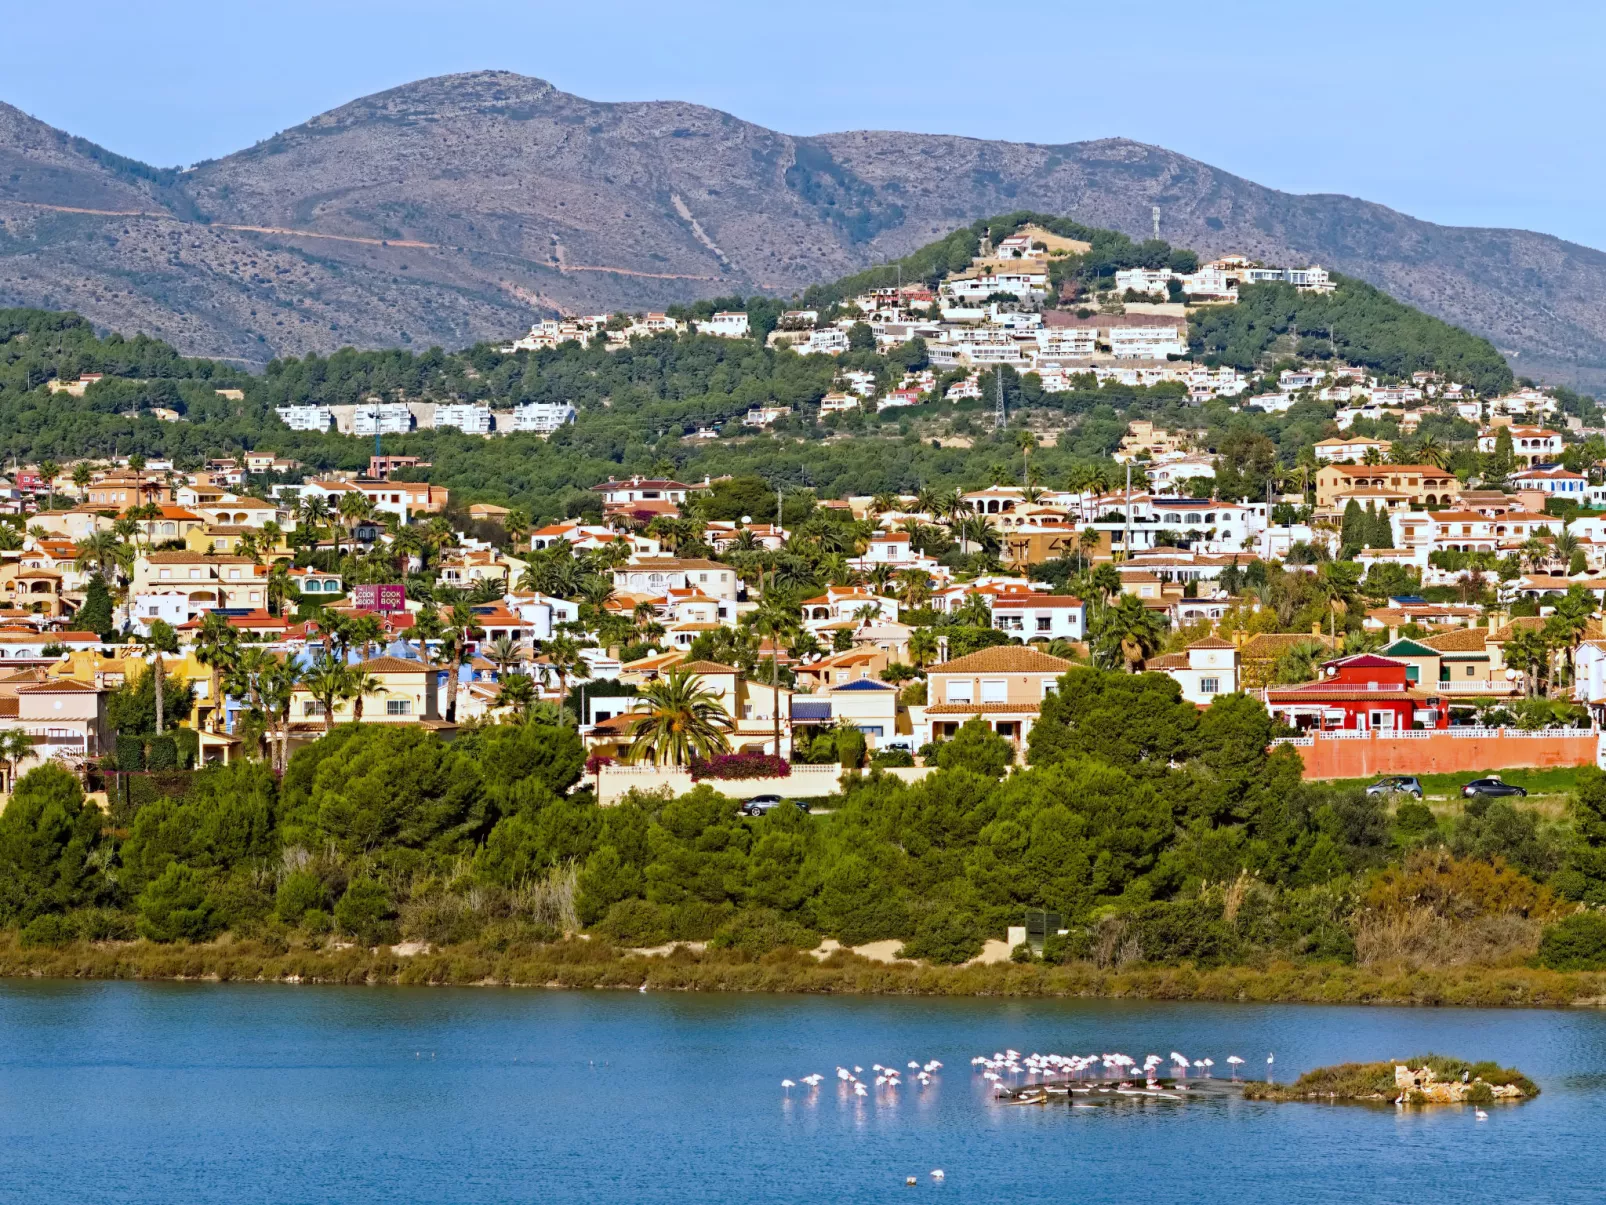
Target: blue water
{"points": [[165, 1093]]}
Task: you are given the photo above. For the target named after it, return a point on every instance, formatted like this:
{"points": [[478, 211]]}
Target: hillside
{"points": [[450, 209]]}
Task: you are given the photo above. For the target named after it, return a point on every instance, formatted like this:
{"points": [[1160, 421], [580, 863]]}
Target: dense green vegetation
{"points": [[1159, 834], [636, 404], [1361, 324]]}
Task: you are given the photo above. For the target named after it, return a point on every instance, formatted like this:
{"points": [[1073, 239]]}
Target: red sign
{"points": [[380, 598]]}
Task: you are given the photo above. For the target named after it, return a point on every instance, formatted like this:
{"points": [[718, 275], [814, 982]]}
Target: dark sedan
{"points": [[1491, 786]]}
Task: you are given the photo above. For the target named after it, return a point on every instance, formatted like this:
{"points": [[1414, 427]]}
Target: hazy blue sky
{"points": [[1470, 113]]}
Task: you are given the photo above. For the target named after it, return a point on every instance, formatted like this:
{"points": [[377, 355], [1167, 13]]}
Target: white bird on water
{"points": [[860, 1090], [788, 1085], [938, 1174], [1480, 1115]]}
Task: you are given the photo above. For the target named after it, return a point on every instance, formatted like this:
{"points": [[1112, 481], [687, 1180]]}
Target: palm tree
{"points": [[517, 525], [503, 652], [682, 722], [354, 507], [160, 639], [327, 681], [49, 470], [97, 553], [1025, 441], [217, 646], [16, 746], [278, 586], [776, 617], [563, 655], [359, 685], [518, 692], [1087, 541], [922, 647], [1129, 630], [1430, 451], [82, 474], [276, 690]]}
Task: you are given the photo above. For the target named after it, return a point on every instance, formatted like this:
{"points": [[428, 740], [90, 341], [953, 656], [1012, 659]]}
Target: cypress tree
{"points": [[96, 613], [1352, 535], [1382, 529]]}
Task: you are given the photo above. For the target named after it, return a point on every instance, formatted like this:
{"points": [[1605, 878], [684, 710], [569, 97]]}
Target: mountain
{"points": [[454, 209]]}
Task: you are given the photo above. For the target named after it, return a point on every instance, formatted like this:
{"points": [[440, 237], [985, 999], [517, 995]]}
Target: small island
{"points": [[1428, 1080]]}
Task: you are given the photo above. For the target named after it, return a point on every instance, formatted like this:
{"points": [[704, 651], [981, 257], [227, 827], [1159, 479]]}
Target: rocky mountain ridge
{"points": [[457, 208]]}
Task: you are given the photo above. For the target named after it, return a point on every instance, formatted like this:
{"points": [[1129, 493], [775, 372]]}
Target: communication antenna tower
{"points": [[999, 417]]}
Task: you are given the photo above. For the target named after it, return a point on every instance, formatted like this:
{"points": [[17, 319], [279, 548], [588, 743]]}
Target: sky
{"points": [[1472, 113]]}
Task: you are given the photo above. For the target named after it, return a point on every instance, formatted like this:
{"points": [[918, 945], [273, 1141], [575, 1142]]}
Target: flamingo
{"points": [[788, 1085], [1234, 1060], [937, 1174], [860, 1090], [1480, 1115], [1208, 1063]]}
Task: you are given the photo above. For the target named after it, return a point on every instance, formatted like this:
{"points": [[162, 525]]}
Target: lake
{"points": [[120, 1092]]}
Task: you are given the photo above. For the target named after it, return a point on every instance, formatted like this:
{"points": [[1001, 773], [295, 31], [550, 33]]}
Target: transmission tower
{"points": [[999, 417]]}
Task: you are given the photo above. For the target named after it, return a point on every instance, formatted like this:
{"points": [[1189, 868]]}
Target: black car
{"points": [[758, 805], [1491, 786], [1396, 785]]}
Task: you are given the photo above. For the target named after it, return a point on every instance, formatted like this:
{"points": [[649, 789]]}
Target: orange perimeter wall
{"points": [[1441, 753]]}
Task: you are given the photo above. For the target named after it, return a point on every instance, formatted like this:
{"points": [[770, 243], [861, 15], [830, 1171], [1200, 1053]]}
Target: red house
{"points": [[1361, 693]]}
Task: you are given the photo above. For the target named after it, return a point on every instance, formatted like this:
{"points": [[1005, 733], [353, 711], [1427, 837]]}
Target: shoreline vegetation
{"points": [[579, 964]]}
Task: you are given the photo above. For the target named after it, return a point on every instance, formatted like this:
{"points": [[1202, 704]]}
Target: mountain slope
{"points": [[449, 209]]}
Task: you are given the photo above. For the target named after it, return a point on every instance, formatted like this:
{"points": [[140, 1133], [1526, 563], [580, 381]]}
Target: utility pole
{"points": [[777, 509], [1154, 212], [1126, 537]]}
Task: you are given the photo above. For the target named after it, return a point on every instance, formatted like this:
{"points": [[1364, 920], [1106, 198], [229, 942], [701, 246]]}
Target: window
{"points": [[1209, 686], [165, 574], [1045, 623], [994, 690], [398, 707], [959, 690], [311, 707]]}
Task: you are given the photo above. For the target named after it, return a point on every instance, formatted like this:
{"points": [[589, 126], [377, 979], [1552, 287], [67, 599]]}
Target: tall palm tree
{"points": [[217, 646], [517, 525], [82, 474], [275, 690], [354, 508], [50, 470], [1026, 442], [160, 639], [776, 616], [563, 655], [359, 685], [681, 723]]}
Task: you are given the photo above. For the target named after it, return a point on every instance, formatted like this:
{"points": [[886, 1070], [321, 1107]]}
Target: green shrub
{"points": [[850, 745], [890, 758], [698, 920], [316, 920], [1577, 943], [176, 906], [636, 923], [161, 753], [365, 912], [188, 743], [52, 929], [301, 890], [130, 752], [760, 930], [945, 934], [1480, 1094], [1413, 819]]}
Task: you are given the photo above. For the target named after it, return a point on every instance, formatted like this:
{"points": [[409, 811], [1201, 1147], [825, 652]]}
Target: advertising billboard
{"points": [[385, 598]]}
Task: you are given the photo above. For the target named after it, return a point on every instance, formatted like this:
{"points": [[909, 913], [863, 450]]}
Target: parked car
{"points": [[1491, 786], [758, 805], [1396, 785]]}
